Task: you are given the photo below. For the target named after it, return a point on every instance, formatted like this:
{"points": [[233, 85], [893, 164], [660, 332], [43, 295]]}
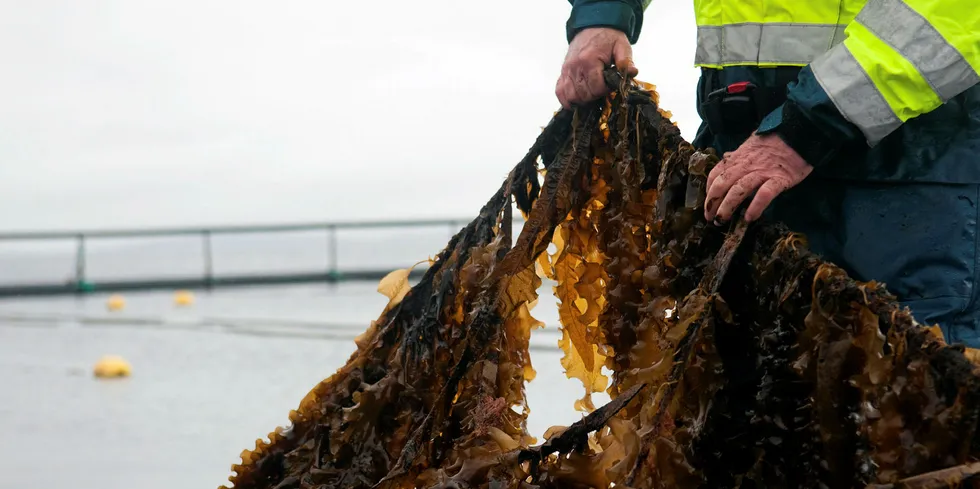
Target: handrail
{"points": [[331, 273], [232, 229]]}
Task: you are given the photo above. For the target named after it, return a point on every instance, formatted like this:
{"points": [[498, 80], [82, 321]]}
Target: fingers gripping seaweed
{"points": [[734, 356]]}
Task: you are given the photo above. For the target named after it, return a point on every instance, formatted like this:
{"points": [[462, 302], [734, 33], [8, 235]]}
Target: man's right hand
{"points": [[591, 51]]}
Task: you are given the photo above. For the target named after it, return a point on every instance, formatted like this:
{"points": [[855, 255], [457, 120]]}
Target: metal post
{"points": [[80, 263], [208, 261], [332, 253]]}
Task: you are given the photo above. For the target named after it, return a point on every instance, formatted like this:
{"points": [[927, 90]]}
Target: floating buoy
{"points": [[115, 303], [111, 366], [183, 298]]}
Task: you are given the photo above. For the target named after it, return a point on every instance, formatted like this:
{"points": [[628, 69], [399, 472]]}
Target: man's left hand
{"points": [[762, 164]]}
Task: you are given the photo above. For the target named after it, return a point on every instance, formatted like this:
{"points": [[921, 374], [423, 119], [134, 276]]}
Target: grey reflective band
{"points": [[709, 46], [921, 44], [839, 35], [854, 95], [765, 43]]}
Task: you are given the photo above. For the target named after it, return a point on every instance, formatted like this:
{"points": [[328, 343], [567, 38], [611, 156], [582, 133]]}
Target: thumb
{"points": [[623, 57]]}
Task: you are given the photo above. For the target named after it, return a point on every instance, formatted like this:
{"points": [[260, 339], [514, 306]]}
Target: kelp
{"points": [[735, 357]]}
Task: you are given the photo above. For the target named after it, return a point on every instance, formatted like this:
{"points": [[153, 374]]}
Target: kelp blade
{"points": [[735, 356]]}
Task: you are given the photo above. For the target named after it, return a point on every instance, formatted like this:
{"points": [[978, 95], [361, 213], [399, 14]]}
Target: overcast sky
{"points": [[140, 113]]}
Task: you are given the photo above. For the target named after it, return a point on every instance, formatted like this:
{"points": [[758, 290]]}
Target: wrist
{"points": [[804, 136], [614, 14], [810, 123]]}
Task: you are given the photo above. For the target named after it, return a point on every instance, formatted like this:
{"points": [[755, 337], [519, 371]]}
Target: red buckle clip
{"points": [[739, 87]]}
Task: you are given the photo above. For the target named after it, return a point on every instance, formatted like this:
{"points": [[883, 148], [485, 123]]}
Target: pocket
{"points": [[919, 239], [948, 313]]}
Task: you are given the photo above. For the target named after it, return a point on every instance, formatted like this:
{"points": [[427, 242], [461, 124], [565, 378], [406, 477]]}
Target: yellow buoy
{"points": [[115, 303], [183, 298], [111, 366]]}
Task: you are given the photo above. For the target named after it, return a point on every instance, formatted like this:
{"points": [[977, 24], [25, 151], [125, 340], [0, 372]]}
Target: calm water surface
{"points": [[207, 381]]}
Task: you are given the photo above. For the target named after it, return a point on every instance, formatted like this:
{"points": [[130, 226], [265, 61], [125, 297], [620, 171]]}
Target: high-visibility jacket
{"points": [[882, 98], [882, 62]]}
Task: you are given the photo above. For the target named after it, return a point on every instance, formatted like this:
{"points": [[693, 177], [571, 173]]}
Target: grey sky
{"points": [[149, 113]]}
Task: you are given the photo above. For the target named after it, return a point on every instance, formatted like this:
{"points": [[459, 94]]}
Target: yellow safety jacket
{"points": [[882, 62], [836, 75]]}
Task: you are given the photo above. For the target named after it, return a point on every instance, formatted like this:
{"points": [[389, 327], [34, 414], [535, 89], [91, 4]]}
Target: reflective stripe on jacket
{"points": [[868, 68], [905, 211], [882, 62]]}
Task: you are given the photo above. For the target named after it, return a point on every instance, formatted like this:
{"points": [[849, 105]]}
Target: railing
{"points": [[331, 272]]}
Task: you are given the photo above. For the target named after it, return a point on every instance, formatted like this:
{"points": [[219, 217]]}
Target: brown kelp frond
{"points": [[734, 356]]}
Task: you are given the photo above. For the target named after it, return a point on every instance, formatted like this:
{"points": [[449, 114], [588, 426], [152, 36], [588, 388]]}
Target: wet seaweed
{"points": [[735, 356]]}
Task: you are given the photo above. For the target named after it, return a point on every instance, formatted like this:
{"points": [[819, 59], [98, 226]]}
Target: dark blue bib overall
{"points": [[903, 213]]}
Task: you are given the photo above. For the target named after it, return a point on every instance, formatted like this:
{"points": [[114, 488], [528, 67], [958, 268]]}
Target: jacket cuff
{"points": [[800, 133], [809, 122], [617, 14]]}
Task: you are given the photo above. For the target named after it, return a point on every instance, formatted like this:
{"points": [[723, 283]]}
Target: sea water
{"points": [[207, 380]]}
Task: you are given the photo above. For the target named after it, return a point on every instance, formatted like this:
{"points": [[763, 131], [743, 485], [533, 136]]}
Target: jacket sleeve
{"points": [[625, 15], [901, 59]]}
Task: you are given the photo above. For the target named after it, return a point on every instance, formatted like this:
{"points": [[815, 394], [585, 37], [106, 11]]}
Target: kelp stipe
{"points": [[737, 357]]}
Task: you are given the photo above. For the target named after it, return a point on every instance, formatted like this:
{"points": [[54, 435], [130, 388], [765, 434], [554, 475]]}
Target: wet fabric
{"points": [[903, 213], [919, 239], [938, 147]]}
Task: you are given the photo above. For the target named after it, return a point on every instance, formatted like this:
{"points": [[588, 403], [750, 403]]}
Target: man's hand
{"points": [[763, 163], [590, 52]]}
